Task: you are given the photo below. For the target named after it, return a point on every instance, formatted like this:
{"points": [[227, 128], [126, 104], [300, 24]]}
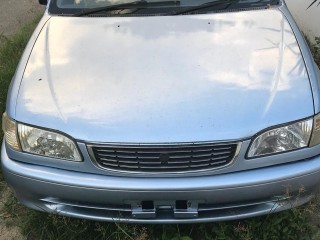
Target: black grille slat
{"points": [[193, 158], [164, 158], [212, 161], [153, 148], [177, 155], [160, 168]]}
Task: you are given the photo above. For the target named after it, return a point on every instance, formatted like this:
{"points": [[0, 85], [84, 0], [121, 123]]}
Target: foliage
{"points": [[315, 49]]}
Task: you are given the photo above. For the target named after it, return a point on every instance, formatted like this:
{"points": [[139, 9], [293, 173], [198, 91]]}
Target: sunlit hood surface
{"points": [[165, 79]]}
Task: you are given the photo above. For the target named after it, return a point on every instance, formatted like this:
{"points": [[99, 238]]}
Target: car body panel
{"points": [[154, 81], [311, 66], [90, 195]]}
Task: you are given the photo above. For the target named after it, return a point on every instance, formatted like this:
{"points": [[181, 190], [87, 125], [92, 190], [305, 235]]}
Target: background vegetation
{"points": [[299, 223]]}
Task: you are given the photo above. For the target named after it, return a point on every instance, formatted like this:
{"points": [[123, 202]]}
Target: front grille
{"points": [[164, 158]]}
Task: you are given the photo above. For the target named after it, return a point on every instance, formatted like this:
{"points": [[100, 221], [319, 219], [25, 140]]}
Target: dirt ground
{"points": [[15, 13]]}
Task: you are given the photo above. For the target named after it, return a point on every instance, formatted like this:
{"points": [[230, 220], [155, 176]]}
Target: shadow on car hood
{"points": [[165, 79]]}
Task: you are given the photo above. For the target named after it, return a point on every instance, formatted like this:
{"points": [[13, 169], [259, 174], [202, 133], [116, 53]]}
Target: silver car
{"points": [[164, 112]]}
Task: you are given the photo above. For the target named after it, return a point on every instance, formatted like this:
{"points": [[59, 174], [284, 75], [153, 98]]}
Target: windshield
{"points": [[69, 7]]}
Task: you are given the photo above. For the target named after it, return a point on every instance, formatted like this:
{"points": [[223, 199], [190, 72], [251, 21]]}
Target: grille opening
{"points": [[163, 158], [147, 205], [181, 205]]}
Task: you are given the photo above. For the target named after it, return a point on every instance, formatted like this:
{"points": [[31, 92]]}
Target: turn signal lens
{"points": [[9, 127]]}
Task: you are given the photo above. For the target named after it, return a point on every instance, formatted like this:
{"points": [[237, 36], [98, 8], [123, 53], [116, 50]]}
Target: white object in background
{"points": [[308, 19]]}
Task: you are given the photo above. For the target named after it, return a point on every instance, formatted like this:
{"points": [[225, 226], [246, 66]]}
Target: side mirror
{"points": [[43, 2]]}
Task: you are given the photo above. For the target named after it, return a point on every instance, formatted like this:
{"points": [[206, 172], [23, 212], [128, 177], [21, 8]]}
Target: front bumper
{"points": [[210, 198]]}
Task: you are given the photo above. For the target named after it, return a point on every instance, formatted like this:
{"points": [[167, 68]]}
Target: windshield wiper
{"points": [[205, 5], [135, 4]]}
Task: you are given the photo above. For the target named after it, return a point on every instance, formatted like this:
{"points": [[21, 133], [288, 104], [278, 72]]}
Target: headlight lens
{"points": [[38, 141], [282, 139], [47, 143]]}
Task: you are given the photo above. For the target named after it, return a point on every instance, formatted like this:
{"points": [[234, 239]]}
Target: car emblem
{"points": [[164, 158]]}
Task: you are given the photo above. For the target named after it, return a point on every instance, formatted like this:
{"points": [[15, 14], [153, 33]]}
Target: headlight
{"points": [[39, 141], [47, 143], [282, 139]]}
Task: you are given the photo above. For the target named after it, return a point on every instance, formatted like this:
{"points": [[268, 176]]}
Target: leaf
{"points": [[314, 1]]}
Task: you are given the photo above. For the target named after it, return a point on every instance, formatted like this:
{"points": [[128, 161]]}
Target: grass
{"points": [[298, 223]]}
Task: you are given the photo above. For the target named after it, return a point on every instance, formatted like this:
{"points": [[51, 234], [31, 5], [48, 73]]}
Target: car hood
{"points": [[210, 77]]}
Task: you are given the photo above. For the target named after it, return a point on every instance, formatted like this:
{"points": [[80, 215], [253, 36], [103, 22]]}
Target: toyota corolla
{"points": [[164, 111]]}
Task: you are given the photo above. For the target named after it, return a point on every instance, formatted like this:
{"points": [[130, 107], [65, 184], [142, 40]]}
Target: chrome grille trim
{"points": [[206, 211], [107, 207], [164, 158]]}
